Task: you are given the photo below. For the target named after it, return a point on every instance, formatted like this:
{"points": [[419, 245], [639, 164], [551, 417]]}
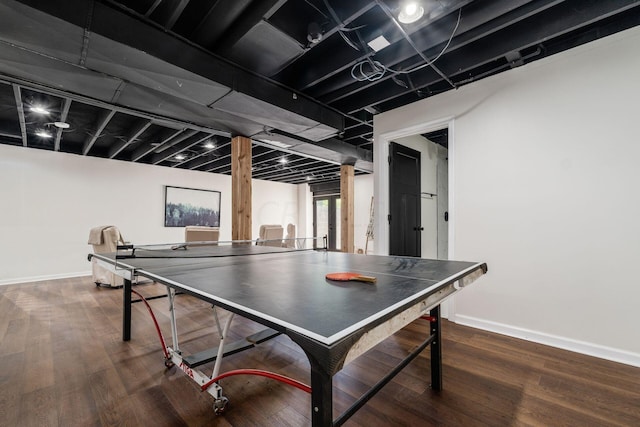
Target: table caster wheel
{"points": [[220, 405], [168, 363]]}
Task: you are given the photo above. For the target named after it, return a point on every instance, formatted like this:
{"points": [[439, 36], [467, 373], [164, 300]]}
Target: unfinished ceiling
{"points": [[169, 82]]}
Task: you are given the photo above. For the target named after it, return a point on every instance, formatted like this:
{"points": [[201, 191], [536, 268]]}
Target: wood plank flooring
{"points": [[62, 363]]}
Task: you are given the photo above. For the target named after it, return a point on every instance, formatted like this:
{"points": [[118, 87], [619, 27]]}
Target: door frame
{"points": [[381, 189]]}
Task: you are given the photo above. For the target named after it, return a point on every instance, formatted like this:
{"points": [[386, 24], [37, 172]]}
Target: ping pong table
{"points": [[286, 290]]}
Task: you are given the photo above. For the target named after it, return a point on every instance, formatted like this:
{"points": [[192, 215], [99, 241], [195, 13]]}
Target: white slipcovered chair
{"points": [[105, 239], [270, 235], [196, 233], [289, 240]]}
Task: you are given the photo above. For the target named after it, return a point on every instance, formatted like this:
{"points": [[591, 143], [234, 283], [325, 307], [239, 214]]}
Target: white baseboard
{"points": [[19, 280], [590, 349]]}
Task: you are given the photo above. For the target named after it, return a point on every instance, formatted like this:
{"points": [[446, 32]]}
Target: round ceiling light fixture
{"points": [[62, 125], [410, 12]]}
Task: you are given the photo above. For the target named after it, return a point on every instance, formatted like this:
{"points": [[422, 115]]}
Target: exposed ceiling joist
{"points": [[63, 119], [278, 71], [20, 109], [144, 150], [178, 147], [102, 123], [118, 147]]}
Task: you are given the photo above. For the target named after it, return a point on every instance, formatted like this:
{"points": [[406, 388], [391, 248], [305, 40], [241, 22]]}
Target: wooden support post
{"points": [[241, 188], [346, 208]]}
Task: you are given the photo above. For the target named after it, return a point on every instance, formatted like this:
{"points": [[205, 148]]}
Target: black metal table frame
{"points": [[326, 360]]}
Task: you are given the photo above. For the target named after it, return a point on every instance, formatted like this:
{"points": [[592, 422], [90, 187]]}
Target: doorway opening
{"points": [[326, 220], [419, 195], [405, 229]]}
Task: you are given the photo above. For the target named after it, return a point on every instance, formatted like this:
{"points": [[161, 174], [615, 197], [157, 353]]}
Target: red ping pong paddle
{"points": [[344, 277]]}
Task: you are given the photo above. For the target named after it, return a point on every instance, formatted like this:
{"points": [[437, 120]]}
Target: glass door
{"points": [[326, 221]]}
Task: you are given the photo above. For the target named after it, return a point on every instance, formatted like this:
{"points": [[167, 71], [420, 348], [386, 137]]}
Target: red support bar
{"points": [[155, 321], [429, 318], [272, 375]]}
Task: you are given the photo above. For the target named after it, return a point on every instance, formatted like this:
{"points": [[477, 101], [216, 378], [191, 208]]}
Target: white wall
{"points": [[273, 203], [543, 178], [50, 201]]}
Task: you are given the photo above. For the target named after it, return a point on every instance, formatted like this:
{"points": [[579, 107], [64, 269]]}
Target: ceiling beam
{"points": [[157, 120], [214, 140], [406, 36], [431, 40], [20, 109], [117, 148], [275, 159], [168, 12], [134, 31], [312, 70], [264, 153], [10, 135], [63, 118], [550, 23], [152, 8], [177, 148], [221, 158], [312, 66], [287, 172], [214, 22], [143, 151], [290, 165], [357, 131], [245, 22], [199, 161], [102, 123], [346, 150]]}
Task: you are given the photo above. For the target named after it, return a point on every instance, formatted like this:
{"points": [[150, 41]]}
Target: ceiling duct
{"points": [[128, 61]]}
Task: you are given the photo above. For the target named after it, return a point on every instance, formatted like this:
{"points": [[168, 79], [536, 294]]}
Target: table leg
{"points": [[436, 350], [321, 397], [126, 311]]}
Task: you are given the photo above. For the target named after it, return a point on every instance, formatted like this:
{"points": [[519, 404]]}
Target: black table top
{"points": [[288, 287]]}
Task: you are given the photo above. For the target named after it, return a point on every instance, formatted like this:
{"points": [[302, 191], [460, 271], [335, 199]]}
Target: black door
{"points": [[404, 193]]}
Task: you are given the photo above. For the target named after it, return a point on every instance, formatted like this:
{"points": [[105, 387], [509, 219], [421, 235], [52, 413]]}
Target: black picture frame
{"points": [[191, 206]]}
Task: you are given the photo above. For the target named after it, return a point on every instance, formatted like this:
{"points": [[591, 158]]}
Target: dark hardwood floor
{"points": [[62, 363]]}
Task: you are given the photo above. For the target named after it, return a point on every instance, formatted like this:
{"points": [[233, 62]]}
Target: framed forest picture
{"points": [[190, 206]]}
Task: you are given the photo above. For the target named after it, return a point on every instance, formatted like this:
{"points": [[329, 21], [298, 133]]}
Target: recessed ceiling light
{"points": [[308, 178], [378, 43], [43, 134], [180, 157], [410, 12], [39, 109], [283, 160], [210, 145]]}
